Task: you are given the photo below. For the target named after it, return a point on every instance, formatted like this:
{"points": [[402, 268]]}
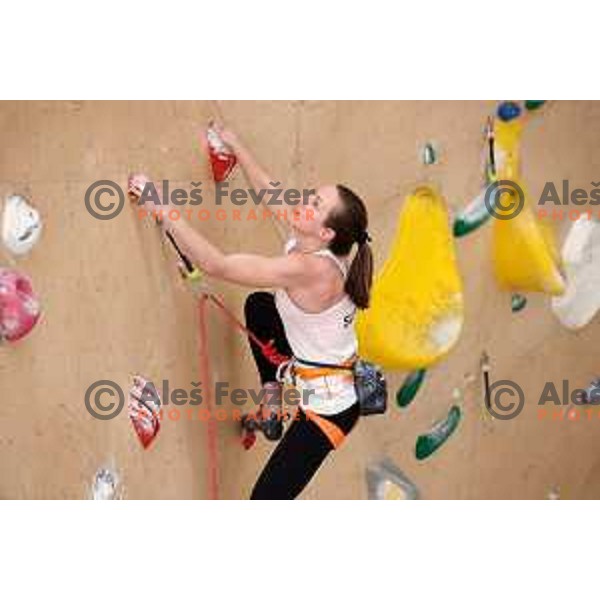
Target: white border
{"points": [[166, 549], [310, 50]]}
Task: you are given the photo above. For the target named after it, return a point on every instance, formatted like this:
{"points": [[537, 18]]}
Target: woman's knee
{"points": [[258, 303]]}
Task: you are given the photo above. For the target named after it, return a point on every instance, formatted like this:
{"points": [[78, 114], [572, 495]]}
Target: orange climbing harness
{"points": [[331, 431], [345, 369]]}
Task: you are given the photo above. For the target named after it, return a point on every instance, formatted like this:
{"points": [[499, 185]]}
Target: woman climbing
{"points": [[319, 287]]}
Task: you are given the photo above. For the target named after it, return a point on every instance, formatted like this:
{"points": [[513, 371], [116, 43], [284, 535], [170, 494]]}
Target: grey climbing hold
{"points": [[429, 155], [385, 481]]}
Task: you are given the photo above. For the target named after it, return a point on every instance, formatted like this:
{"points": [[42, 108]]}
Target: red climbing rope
{"points": [[205, 377], [268, 349]]}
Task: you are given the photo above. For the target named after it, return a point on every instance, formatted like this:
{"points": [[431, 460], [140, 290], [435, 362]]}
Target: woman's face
{"points": [[310, 218]]}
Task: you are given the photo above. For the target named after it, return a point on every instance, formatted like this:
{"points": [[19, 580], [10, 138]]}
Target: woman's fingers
{"points": [[136, 184], [136, 393], [140, 386], [138, 380]]}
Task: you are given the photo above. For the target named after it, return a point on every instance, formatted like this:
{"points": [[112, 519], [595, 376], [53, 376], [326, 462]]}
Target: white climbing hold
{"points": [[553, 493], [215, 141], [21, 225], [106, 485], [581, 258]]}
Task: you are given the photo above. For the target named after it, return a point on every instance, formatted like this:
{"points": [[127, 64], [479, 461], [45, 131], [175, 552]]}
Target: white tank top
{"points": [[327, 337]]}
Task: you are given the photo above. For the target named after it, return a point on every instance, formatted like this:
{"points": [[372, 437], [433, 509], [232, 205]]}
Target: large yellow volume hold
{"points": [[416, 312], [524, 252], [525, 255]]}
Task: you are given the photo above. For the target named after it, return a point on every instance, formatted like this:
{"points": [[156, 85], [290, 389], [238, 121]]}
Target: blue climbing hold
{"points": [[507, 111]]}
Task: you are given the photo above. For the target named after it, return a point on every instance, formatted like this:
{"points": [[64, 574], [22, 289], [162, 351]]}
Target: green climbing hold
{"points": [[429, 154], [408, 390], [534, 104], [472, 217], [517, 302], [429, 442]]}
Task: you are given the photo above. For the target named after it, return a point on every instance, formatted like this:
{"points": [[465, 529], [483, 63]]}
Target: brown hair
{"points": [[350, 225]]}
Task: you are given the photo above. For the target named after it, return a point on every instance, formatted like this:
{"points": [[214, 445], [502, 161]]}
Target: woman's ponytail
{"points": [[360, 276], [350, 225]]}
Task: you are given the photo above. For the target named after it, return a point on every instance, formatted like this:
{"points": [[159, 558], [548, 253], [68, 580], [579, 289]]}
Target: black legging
{"points": [[304, 446], [263, 320]]}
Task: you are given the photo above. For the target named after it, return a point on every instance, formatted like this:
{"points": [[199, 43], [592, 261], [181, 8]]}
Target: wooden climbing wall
{"points": [[374, 147], [112, 302], [114, 305]]}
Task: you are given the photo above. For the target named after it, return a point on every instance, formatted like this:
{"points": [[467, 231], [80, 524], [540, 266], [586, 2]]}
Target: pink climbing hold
{"points": [[19, 305], [144, 410]]}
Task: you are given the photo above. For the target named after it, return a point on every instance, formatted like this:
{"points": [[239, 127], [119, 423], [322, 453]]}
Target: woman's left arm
{"points": [[251, 270]]}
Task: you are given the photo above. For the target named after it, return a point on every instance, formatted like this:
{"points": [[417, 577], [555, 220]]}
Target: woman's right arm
{"points": [[258, 178]]}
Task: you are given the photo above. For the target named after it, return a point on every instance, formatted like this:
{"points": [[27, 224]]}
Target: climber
{"points": [[324, 276]]}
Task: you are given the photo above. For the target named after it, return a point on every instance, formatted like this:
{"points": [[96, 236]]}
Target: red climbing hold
{"points": [[144, 410], [19, 306], [222, 159]]}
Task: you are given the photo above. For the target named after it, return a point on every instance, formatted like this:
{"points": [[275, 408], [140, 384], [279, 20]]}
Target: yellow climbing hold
{"points": [[525, 255], [416, 311], [507, 148]]}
